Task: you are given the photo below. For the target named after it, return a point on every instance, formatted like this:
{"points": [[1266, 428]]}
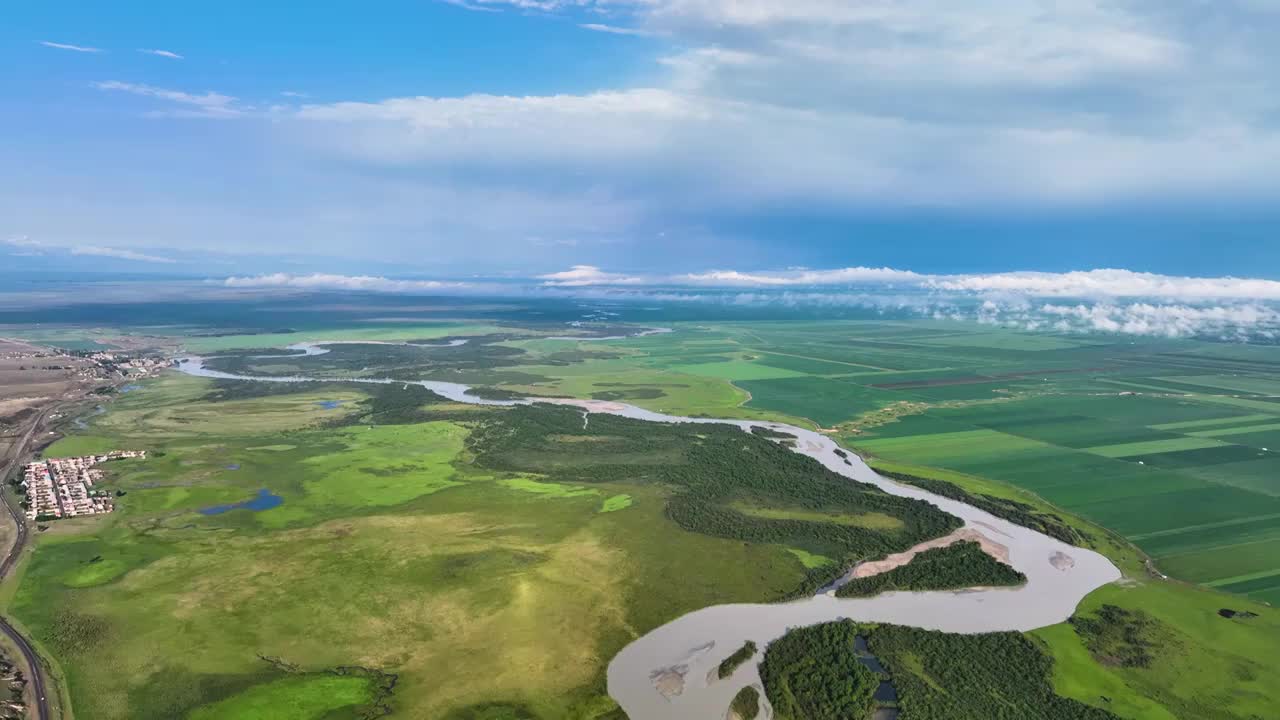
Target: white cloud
{"points": [[207, 105], [118, 253], [470, 6], [1232, 315], [852, 275], [1164, 320], [294, 94], [1099, 284], [1111, 283], [74, 48], [24, 246], [714, 152], [500, 130], [615, 29], [897, 101], [36, 248], [584, 275], [321, 281], [162, 53]]}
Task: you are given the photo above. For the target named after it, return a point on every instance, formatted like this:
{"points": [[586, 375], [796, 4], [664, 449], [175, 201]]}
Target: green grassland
{"points": [[1203, 665], [492, 560]]}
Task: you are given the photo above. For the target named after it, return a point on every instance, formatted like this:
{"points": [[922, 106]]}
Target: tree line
{"points": [[1015, 512]]}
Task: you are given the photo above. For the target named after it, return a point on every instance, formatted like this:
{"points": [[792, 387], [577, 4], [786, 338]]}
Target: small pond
{"points": [[330, 404], [264, 500], [886, 692]]}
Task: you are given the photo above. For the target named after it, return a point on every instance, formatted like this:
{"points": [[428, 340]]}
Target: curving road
{"points": [[35, 669]]}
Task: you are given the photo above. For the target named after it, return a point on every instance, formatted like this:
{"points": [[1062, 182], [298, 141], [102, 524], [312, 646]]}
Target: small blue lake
{"points": [[233, 466], [130, 388], [264, 500], [330, 404]]}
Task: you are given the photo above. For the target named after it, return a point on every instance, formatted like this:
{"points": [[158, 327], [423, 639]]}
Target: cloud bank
{"points": [[29, 247], [883, 100], [99, 251], [322, 281], [1099, 301], [741, 109], [586, 275], [1096, 284]]}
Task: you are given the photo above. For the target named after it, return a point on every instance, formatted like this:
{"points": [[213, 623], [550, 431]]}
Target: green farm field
{"points": [[1171, 443]]}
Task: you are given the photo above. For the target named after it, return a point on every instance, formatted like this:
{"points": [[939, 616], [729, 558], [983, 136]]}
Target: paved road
{"points": [[35, 669]]}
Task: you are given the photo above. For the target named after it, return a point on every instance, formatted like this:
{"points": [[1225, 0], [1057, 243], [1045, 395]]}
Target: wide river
{"points": [[668, 673]]}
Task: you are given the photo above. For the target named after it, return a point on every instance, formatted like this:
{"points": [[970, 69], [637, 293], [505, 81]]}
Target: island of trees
{"points": [[746, 704], [739, 656], [960, 565]]}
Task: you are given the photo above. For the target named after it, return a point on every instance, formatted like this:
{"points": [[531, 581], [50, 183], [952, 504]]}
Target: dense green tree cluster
{"points": [[1118, 636], [479, 361], [813, 673], [734, 661], [746, 704], [1011, 510], [709, 467], [493, 393], [960, 565], [771, 433], [991, 676], [397, 405]]}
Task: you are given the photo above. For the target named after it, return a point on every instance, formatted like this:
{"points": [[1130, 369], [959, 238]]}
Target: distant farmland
{"points": [[1174, 444]]}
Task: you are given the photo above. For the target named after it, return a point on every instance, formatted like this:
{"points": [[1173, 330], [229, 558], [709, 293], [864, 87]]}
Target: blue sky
{"points": [[522, 137]]}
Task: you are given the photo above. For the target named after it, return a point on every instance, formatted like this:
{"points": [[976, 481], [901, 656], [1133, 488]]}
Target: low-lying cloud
{"points": [[1111, 301], [586, 275], [1100, 283], [119, 253], [322, 281], [29, 247]]}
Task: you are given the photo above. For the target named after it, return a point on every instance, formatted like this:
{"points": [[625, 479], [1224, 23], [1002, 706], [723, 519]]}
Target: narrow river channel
{"points": [[667, 673]]}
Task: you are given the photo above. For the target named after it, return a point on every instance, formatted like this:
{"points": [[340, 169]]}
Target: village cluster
{"points": [[63, 487], [110, 364]]}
